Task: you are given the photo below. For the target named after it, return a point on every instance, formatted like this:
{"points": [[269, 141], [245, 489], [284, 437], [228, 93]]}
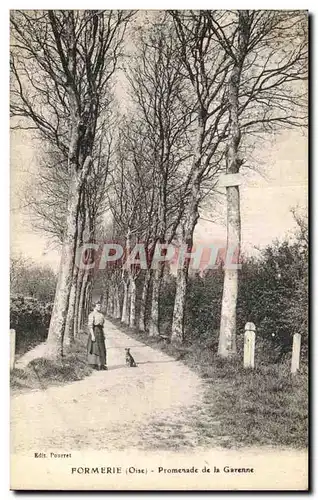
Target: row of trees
{"points": [[201, 88], [62, 64], [273, 293]]}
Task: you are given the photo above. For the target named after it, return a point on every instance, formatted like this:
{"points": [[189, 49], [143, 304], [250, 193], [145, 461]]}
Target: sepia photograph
{"points": [[159, 250]]}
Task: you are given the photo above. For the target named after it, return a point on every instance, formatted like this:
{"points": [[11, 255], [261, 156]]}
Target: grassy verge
{"points": [[41, 373], [266, 406], [29, 340]]}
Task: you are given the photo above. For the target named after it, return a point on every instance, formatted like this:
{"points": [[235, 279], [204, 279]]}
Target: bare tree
{"points": [[46, 194], [46, 200], [131, 204], [62, 63], [159, 94], [301, 219], [95, 196], [206, 66], [268, 53]]}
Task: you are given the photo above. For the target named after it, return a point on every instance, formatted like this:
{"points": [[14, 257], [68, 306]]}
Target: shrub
{"points": [[32, 280], [30, 318], [273, 294]]}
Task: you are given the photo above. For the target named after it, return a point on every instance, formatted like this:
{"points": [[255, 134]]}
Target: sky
{"points": [[266, 198]]}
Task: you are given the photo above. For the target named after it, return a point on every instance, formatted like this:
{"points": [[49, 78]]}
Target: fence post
{"points": [[296, 352], [12, 348], [249, 345]]}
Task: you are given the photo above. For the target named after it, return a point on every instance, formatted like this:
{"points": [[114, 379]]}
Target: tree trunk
{"points": [[71, 314], [87, 302], [227, 338], [125, 311], [69, 327], [105, 301], [117, 314], [64, 283], [110, 304], [192, 215], [79, 171], [81, 304], [85, 293], [79, 285], [177, 334], [132, 315], [154, 315], [143, 303]]}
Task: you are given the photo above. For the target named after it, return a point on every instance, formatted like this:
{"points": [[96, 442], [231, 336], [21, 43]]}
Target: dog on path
{"points": [[129, 359]]}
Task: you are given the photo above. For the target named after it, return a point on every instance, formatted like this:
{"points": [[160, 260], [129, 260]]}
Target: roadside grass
{"points": [[41, 373], [31, 339], [266, 406]]}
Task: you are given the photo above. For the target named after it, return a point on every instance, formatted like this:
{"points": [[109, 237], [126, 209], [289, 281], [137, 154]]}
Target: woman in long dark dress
{"points": [[96, 350]]}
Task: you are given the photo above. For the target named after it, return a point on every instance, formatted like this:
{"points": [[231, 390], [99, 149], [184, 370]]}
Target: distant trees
{"points": [[31, 280], [131, 201], [160, 102]]}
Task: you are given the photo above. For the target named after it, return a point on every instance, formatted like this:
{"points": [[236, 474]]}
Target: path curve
{"points": [[106, 410]]}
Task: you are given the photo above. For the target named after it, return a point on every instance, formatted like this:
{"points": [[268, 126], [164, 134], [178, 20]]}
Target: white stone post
{"points": [[249, 345], [296, 353], [12, 348]]}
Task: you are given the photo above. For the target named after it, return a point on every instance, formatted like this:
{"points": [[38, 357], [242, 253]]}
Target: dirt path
{"points": [[147, 416], [110, 409]]}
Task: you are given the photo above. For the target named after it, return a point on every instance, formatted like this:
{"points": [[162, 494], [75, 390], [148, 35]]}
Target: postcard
{"points": [[159, 250]]}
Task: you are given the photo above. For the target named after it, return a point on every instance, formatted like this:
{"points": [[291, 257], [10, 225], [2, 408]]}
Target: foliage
{"points": [[273, 294], [203, 306], [30, 318], [166, 303], [32, 294], [31, 280]]}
